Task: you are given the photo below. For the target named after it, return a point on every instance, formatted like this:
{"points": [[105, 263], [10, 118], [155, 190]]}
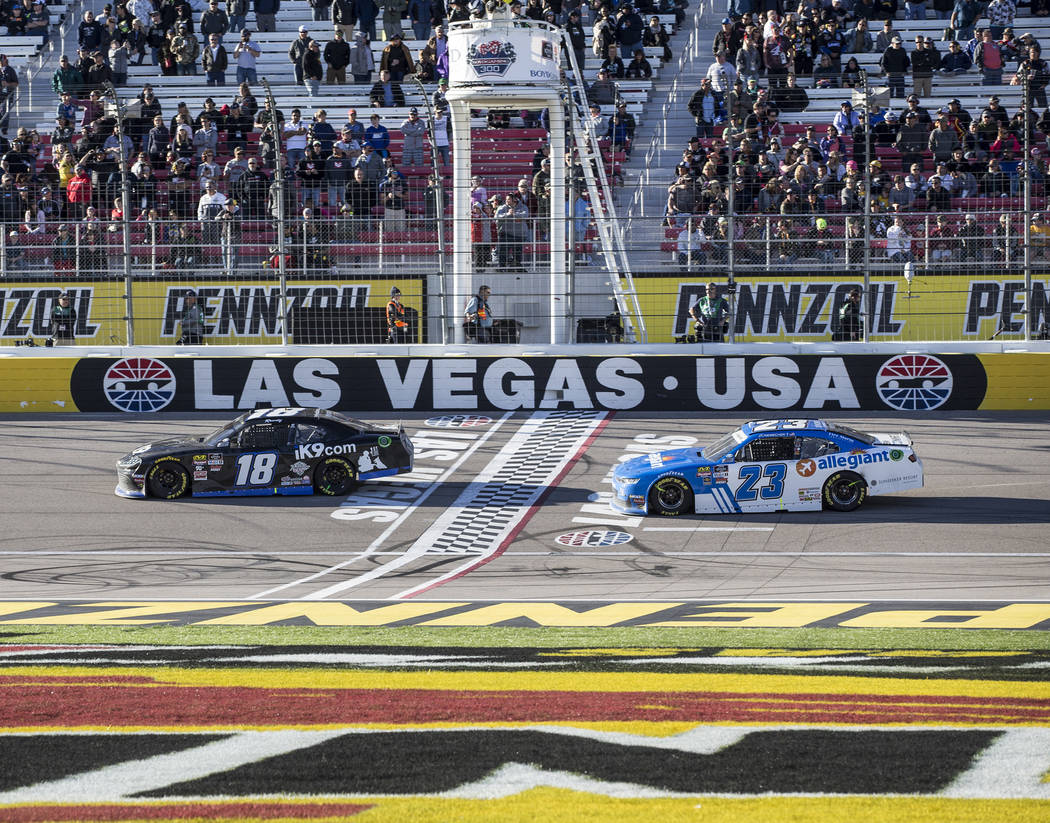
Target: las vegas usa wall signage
{"points": [[904, 382]]}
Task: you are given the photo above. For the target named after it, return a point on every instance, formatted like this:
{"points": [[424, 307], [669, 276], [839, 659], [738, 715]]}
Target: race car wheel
{"points": [[167, 480], [670, 496], [844, 491], [335, 476]]}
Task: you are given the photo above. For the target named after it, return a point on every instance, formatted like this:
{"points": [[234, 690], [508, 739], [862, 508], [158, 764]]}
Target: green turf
{"points": [[833, 638]]}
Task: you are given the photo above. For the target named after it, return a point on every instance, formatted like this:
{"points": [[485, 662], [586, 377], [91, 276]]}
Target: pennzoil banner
{"points": [[804, 309], [238, 311]]}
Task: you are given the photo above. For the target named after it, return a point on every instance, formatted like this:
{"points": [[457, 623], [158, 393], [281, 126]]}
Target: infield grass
{"points": [[495, 637]]}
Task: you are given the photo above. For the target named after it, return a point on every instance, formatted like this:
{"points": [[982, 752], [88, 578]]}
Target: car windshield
{"points": [[846, 431], [723, 445], [225, 431]]}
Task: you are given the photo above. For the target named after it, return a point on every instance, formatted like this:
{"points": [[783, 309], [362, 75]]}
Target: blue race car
{"points": [[769, 465]]}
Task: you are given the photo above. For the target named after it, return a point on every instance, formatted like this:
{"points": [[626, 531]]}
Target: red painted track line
{"points": [[528, 515]]}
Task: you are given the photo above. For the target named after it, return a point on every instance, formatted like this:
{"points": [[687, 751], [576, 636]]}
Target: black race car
{"points": [[268, 451]]}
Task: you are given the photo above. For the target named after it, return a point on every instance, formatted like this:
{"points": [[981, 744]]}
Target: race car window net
{"points": [[721, 447]]}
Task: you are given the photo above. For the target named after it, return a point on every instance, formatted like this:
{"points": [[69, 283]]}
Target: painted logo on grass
{"points": [[914, 382], [139, 384], [593, 538]]}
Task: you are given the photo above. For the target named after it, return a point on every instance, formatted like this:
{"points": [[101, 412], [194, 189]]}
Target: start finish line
{"points": [[672, 614]]}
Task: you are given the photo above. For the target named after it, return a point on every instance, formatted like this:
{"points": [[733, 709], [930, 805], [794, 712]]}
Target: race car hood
{"points": [[671, 459], [167, 446]]}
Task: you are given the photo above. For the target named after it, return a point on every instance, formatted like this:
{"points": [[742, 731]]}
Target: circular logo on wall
{"points": [[458, 421], [139, 384], [594, 537], [914, 382]]}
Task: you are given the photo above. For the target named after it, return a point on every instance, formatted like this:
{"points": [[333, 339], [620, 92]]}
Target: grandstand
{"points": [[826, 233]]}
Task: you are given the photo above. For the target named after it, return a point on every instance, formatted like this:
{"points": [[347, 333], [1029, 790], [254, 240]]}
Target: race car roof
{"points": [[792, 424]]}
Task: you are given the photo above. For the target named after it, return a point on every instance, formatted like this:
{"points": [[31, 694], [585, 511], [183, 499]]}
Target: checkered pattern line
{"points": [[517, 481]]}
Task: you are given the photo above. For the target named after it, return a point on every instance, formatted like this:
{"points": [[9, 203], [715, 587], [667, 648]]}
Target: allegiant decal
{"points": [[851, 461], [27, 311], [254, 310], [772, 383]]}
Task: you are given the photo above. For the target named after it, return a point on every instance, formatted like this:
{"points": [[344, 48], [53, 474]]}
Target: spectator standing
{"points": [[362, 63], [337, 170], [989, 57], [214, 21], [78, 192], [89, 32], [310, 171], [185, 49], [577, 37], [322, 9], [294, 135], [344, 17], [749, 60], [1037, 72], [156, 38], [895, 63], [912, 141], [722, 74], [393, 11], [336, 58], [215, 61], [965, 15], [67, 78], [266, 14], [629, 28], [943, 141], [512, 231], [779, 56], [925, 60], [313, 71], [296, 51], [237, 11], [849, 325], [412, 131], [209, 207], [898, 242], [421, 13], [440, 136], [246, 52], [1000, 14], [367, 11], [396, 60], [230, 233]]}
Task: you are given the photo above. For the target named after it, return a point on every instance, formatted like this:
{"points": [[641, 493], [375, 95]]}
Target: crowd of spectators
{"points": [[800, 192], [197, 179]]}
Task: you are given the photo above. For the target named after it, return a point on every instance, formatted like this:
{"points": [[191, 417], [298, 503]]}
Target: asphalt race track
{"points": [[481, 518]]}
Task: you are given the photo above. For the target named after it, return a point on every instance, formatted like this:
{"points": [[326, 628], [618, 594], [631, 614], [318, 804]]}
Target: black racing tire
{"points": [[844, 491], [670, 496], [335, 476], [167, 479]]}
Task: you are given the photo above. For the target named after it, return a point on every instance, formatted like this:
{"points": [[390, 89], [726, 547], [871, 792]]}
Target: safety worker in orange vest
{"points": [[397, 326]]}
